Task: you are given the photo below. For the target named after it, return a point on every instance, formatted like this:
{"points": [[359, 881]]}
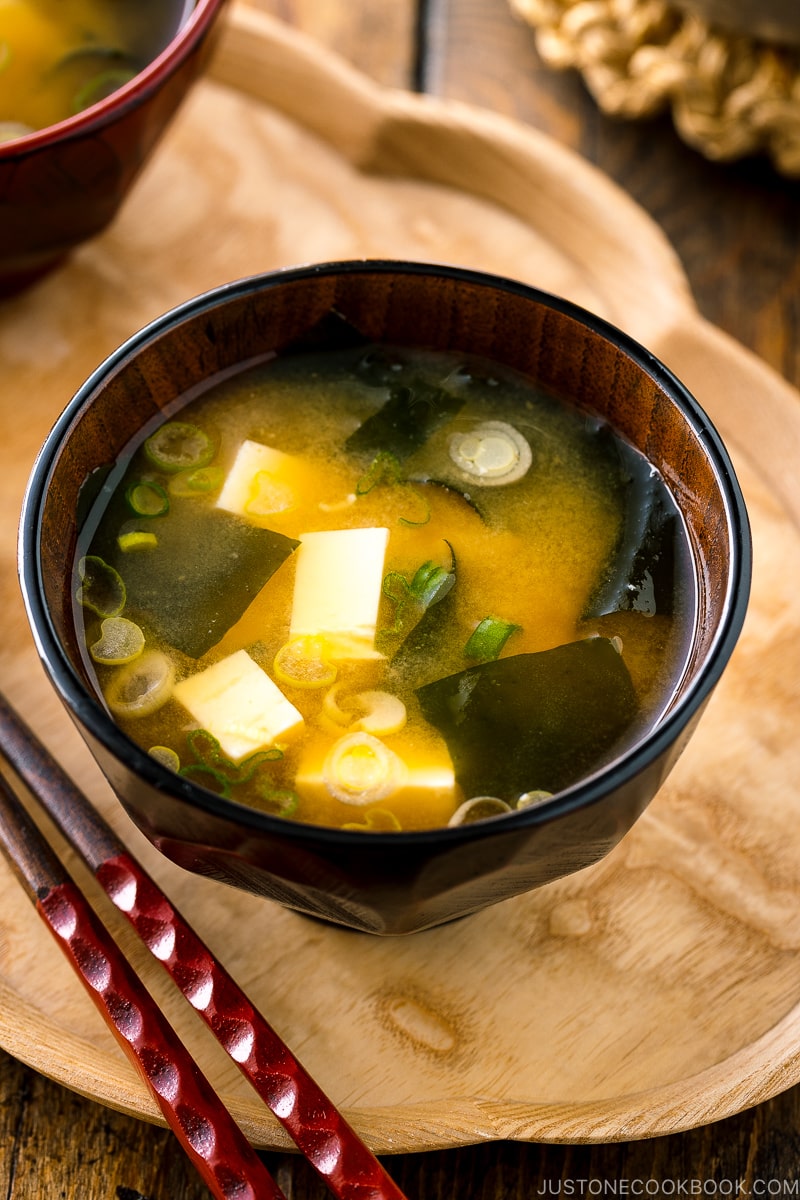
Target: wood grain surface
{"points": [[735, 230]]}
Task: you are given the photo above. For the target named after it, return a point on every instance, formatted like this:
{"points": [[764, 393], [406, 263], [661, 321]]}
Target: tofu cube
{"points": [[337, 589], [262, 482], [237, 702]]}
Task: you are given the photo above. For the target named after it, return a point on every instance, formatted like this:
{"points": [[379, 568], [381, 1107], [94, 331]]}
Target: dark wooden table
{"points": [[736, 229]]}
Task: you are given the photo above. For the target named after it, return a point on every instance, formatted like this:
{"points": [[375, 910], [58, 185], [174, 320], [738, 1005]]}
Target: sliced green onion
{"points": [[385, 468], [105, 83], [488, 640], [377, 820], [101, 589], [207, 777], [204, 746], [430, 584], [281, 802], [247, 768], [208, 752], [528, 799], [426, 509], [141, 687], [491, 453], [147, 499], [360, 769], [333, 711], [196, 481], [166, 756], [303, 663], [383, 713], [120, 642], [480, 808], [177, 446], [137, 539]]}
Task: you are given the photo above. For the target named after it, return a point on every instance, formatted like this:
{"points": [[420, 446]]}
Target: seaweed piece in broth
{"points": [[640, 575], [412, 413], [197, 580], [533, 721]]}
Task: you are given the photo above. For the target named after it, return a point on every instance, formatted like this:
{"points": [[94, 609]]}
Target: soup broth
{"points": [[57, 57], [383, 590]]}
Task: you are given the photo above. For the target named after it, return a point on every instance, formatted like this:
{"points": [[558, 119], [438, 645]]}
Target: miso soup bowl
{"points": [[387, 883], [62, 185]]}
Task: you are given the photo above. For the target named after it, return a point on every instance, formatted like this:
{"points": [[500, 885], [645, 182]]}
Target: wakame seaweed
{"points": [[198, 579], [406, 420], [532, 721], [640, 574]]}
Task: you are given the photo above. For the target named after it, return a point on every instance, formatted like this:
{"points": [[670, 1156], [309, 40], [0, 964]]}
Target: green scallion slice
{"points": [[430, 584], [141, 687], [105, 83], [280, 802], [196, 481], [384, 468], [120, 641], [137, 539], [166, 756], [178, 446], [207, 777], [101, 590], [147, 499], [377, 820], [479, 808], [489, 638]]}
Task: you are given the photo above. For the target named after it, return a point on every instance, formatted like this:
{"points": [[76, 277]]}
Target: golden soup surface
{"points": [[383, 589]]}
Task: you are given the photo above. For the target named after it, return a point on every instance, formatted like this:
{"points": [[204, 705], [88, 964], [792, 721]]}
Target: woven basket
{"points": [[730, 96]]}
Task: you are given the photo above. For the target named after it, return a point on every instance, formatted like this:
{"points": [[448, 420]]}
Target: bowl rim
{"points": [[194, 26], [90, 713]]}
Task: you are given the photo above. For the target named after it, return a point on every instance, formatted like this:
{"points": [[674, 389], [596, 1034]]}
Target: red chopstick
{"points": [[219, 1150], [317, 1128]]}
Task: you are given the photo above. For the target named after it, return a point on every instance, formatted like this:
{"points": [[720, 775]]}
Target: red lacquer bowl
{"points": [[64, 184]]}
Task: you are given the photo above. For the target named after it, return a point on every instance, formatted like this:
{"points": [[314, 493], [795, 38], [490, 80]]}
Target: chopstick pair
{"points": [[217, 1147]]}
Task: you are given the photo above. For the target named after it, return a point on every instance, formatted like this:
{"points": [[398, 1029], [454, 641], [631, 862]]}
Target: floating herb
{"points": [[281, 802], [141, 687], [120, 642], [489, 638], [147, 498], [208, 753], [101, 590], [137, 539], [412, 599], [196, 481], [177, 446]]}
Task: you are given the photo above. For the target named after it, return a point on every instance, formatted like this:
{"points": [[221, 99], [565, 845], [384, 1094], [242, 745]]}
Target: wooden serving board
{"points": [[654, 992]]}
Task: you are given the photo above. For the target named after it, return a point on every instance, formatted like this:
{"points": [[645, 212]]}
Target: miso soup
{"points": [[383, 590], [58, 57]]}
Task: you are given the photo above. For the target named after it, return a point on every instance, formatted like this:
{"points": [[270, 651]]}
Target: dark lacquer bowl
{"points": [[61, 185], [388, 883]]}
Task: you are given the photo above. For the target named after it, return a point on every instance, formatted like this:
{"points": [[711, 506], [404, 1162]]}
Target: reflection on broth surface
{"points": [[57, 57], [384, 590]]}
